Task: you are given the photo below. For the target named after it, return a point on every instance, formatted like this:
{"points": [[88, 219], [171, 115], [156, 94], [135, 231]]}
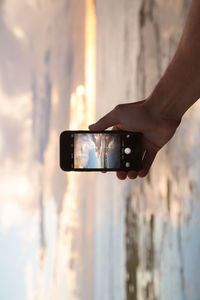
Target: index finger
{"points": [[108, 120]]}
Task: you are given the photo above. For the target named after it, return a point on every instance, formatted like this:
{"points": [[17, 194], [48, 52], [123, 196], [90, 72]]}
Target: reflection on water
{"points": [[76, 232]]}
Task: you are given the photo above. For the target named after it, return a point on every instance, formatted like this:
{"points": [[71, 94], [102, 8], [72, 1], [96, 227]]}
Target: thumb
{"points": [[108, 120]]}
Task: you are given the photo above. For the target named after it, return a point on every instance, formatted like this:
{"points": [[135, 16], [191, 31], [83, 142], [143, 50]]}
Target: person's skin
{"points": [[159, 115]]}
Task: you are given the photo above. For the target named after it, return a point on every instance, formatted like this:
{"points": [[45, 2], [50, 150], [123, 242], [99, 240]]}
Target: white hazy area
{"points": [[61, 235]]}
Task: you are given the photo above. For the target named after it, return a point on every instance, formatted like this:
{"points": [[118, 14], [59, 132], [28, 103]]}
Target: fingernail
{"points": [[141, 173]]}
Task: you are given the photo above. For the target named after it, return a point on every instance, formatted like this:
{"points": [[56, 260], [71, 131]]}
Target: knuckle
{"points": [[118, 109], [102, 120]]}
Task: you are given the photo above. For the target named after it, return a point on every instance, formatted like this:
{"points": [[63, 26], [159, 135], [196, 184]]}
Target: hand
{"points": [[138, 116]]}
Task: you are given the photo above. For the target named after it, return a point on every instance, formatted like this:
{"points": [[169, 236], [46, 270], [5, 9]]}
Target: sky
{"points": [[29, 94], [43, 67], [47, 224]]}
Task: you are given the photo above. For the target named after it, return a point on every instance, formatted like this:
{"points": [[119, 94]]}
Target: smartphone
{"points": [[100, 151]]}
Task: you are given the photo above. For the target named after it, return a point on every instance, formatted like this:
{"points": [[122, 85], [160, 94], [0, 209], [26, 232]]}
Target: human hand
{"points": [[138, 116]]}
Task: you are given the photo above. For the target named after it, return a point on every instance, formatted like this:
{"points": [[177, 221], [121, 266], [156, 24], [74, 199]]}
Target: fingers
{"points": [[117, 127], [108, 120], [132, 174], [119, 117], [105, 122], [114, 117], [121, 175]]}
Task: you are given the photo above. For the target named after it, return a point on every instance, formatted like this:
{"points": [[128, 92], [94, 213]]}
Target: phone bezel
{"points": [[64, 146]]}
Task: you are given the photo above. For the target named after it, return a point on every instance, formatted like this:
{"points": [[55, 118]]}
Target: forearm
{"points": [[179, 87]]}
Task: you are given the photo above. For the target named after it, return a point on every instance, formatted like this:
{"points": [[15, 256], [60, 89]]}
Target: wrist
{"points": [[177, 90], [159, 110]]}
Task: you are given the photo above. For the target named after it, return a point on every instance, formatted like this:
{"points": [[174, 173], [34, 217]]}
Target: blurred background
{"points": [[84, 236]]}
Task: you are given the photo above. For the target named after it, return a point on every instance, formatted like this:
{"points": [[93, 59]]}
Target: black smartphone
{"points": [[100, 151]]}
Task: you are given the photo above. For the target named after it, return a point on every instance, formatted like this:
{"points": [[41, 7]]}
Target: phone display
{"points": [[97, 151]]}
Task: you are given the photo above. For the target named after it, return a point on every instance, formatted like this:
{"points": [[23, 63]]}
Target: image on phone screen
{"points": [[94, 150]]}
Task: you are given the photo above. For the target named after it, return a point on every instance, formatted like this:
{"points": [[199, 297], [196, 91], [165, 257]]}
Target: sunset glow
{"points": [[90, 60], [39, 219], [82, 113]]}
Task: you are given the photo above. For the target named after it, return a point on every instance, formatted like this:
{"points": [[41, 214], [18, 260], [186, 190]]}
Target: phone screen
{"points": [[108, 150], [96, 151]]}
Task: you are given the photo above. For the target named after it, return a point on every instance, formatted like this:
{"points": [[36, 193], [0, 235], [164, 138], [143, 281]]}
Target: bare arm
{"points": [[160, 114], [179, 87]]}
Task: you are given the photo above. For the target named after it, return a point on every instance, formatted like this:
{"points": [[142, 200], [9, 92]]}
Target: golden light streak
{"points": [[82, 113], [90, 60], [80, 90], [82, 102]]}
